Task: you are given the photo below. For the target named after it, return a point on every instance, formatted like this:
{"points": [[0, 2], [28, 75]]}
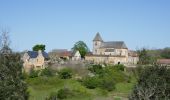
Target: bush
{"points": [[96, 69], [64, 93], [53, 96], [153, 84], [47, 72], [91, 82], [33, 73], [107, 83], [65, 73], [24, 75], [120, 67]]}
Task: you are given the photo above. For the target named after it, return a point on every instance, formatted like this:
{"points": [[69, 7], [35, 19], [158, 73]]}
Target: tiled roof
{"points": [[163, 61], [114, 44], [97, 37], [34, 54], [132, 53]]}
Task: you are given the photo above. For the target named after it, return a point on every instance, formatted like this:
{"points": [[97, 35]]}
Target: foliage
{"points": [[12, 85], [5, 42], [81, 47], [65, 73], [144, 58], [33, 73], [165, 53], [91, 82], [153, 83], [39, 47], [53, 96], [107, 83], [120, 67], [64, 93], [47, 72], [96, 69]]}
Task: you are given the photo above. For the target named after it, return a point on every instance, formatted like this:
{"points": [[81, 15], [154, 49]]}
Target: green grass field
{"points": [[41, 87]]}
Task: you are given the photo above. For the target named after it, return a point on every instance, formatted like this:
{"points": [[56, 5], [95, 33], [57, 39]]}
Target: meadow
{"points": [[41, 87]]}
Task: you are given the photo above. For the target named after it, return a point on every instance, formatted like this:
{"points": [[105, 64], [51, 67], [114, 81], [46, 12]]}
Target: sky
{"points": [[59, 24]]}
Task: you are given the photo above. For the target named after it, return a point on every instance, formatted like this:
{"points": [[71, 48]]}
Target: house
{"points": [[76, 56], [165, 62], [113, 52], [58, 54], [34, 59], [132, 57]]}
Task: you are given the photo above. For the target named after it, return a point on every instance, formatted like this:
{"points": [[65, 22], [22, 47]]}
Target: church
{"points": [[112, 52]]}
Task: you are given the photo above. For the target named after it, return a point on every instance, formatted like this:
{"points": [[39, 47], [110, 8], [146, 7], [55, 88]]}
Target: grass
{"points": [[41, 87]]}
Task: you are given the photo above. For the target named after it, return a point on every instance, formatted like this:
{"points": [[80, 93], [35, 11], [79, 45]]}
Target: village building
{"points": [[163, 62], [34, 60], [112, 52], [64, 54]]}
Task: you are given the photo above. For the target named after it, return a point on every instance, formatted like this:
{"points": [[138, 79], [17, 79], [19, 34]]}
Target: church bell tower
{"points": [[97, 41]]}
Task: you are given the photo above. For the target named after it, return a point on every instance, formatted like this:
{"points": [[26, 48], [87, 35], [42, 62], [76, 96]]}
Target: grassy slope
{"points": [[41, 87]]}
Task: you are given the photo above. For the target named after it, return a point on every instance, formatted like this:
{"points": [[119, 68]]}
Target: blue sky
{"points": [[60, 23]]}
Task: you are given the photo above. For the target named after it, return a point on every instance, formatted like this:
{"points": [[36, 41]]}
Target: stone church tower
{"points": [[97, 41]]}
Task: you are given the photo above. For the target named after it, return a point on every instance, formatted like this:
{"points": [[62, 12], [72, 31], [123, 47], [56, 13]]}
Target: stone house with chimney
{"points": [[34, 60], [113, 52]]}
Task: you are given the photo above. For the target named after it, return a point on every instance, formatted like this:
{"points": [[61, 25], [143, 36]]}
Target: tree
{"points": [[12, 85], [144, 58], [5, 42], [165, 53], [153, 84], [81, 47], [39, 47]]}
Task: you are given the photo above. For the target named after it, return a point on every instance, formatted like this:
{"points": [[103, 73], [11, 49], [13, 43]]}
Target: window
{"points": [[95, 43]]}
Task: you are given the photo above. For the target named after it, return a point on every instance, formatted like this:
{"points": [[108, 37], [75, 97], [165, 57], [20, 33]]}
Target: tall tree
{"points": [[5, 42], [81, 47], [39, 47], [12, 85], [144, 58]]}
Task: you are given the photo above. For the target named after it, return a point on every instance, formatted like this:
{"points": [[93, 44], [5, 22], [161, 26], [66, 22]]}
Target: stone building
{"points": [[34, 60], [113, 52]]}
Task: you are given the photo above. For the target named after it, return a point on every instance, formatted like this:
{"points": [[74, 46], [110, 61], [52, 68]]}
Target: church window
{"points": [[95, 43]]}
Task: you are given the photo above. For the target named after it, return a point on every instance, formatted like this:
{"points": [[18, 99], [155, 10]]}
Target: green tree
{"points": [[153, 84], [81, 47], [144, 58], [165, 53], [39, 47], [12, 85]]}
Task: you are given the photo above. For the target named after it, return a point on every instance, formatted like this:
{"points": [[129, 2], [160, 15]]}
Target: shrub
{"points": [[96, 69], [120, 67], [53, 96], [153, 84], [24, 75], [47, 72], [107, 83], [65, 73], [33, 73], [91, 82], [64, 93]]}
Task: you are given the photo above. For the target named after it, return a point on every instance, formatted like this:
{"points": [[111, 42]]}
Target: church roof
{"points": [[34, 54], [114, 44], [97, 37]]}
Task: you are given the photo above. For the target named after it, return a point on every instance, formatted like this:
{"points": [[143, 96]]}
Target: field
{"points": [[41, 87]]}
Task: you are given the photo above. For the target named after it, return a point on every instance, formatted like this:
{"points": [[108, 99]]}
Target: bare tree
{"points": [[5, 41]]}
